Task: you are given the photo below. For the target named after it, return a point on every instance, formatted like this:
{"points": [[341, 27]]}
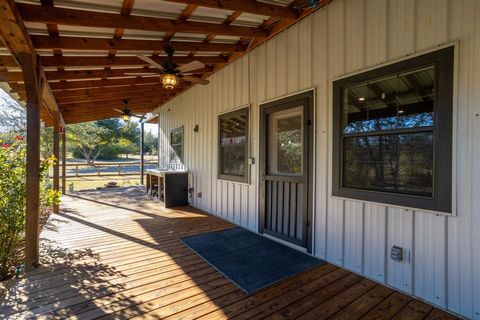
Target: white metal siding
{"points": [[442, 262]]}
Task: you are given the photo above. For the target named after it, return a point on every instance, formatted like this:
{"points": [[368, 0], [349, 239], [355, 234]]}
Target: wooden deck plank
{"points": [[415, 310], [119, 255], [340, 301]]}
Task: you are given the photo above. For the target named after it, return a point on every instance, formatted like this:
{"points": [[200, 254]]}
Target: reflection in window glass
{"points": [[289, 145], [233, 143], [400, 163], [402, 101], [176, 143]]}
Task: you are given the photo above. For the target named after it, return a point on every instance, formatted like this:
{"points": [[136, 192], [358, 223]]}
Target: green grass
{"points": [[92, 182]]}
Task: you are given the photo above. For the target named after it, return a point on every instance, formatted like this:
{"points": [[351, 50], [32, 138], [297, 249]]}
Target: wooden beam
{"points": [[110, 73], [84, 18], [64, 160], [56, 154], [66, 85], [77, 43], [106, 114], [250, 6], [118, 61], [116, 103], [158, 92], [7, 61], [111, 90], [6, 76]]}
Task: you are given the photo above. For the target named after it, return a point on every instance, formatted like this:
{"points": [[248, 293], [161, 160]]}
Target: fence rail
{"points": [[105, 168]]}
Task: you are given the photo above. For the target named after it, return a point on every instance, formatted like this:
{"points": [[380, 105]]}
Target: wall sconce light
{"points": [[195, 129]]}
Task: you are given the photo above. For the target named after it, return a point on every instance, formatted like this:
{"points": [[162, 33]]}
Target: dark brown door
{"points": [[285, 164]]}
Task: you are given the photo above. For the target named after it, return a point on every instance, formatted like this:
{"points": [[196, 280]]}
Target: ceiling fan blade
{"points": [[194, 65], [151, 62], [138, 116], [119, 111], [195, 80], [140, 74]]}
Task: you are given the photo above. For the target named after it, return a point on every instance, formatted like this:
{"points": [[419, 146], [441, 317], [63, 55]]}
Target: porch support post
{"points": [[15, 37], [32, 231], [64, 160], [142, 152], [56, 153]]}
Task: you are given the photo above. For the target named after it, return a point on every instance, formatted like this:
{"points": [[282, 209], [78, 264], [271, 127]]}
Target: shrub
{"points": [[13, 201]]}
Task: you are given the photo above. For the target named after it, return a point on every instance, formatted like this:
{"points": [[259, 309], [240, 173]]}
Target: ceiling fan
{"points": [[170, 72], [127, 113]]}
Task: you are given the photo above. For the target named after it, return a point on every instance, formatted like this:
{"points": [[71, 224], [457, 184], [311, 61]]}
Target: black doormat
{"points": [[249, 260]]}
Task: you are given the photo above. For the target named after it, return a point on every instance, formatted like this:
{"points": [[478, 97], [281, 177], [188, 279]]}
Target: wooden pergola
{"points": [[68, 60]]}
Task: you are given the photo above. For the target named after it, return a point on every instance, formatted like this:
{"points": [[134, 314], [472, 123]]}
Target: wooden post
{"points": [[56, 154], [64, 161], [32, 232], [142, 152]]}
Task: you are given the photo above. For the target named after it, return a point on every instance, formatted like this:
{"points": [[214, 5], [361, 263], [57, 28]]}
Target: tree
{"points": [[13, 117], [150, 143], [89, 139]]}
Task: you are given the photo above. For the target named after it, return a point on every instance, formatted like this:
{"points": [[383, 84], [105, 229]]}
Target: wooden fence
{"points": [[104, 169]]}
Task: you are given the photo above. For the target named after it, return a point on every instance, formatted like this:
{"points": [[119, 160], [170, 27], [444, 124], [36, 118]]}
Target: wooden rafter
{"points": [[110, 73], [52, 15], [113, 61], [77, 43], [250, 6]]}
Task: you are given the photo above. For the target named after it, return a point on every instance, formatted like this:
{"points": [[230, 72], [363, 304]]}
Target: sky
{"points": [[6, 100]]}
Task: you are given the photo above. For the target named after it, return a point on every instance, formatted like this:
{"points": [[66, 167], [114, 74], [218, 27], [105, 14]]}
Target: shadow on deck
{"points": [[116, 254]]}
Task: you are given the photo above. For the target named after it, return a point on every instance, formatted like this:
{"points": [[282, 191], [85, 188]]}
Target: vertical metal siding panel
{"points": [[281, 64], [254, 132], [320, 79], [429, 257], [400, 233], [475, 186], [335, 44], [220, 107], [354, 225], [354, 35], [292, 58], [460, 264], [231, 86], [431, 23], [305, 53], [238, 82], [401, 40], [376, 15], [271, 75], [335, 230], [375, 241]]}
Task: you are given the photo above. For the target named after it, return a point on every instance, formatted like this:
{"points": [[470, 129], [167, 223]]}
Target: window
{"points": [[233, 146], [176, 143], [393, 133]]}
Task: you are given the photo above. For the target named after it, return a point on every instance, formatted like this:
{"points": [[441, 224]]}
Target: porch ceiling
{"points": [[86, 47]]}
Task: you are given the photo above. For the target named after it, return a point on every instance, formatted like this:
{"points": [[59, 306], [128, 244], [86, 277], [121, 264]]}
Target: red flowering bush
{"points": [[13, 201]]}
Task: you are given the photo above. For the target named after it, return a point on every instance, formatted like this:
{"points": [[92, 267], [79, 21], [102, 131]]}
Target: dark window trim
{"points": [[441, 201], [181, 128], [246, 177]]}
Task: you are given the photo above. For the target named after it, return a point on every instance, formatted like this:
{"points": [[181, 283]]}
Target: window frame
{"points": [[442, 195], [181, 128], [221, 176]]}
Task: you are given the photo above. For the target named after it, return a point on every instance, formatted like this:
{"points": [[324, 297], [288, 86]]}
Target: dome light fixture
{"points": [[125, 117], [169, 80]]}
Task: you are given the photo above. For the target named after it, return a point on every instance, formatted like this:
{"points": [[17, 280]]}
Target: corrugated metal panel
{"points": [[442, 253]]}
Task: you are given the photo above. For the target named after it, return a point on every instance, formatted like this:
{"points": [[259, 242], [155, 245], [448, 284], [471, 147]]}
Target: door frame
{"points": [[306, 99]]}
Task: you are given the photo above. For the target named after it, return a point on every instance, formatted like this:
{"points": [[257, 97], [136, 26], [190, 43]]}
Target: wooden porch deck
{"points": [[117, 255]]}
